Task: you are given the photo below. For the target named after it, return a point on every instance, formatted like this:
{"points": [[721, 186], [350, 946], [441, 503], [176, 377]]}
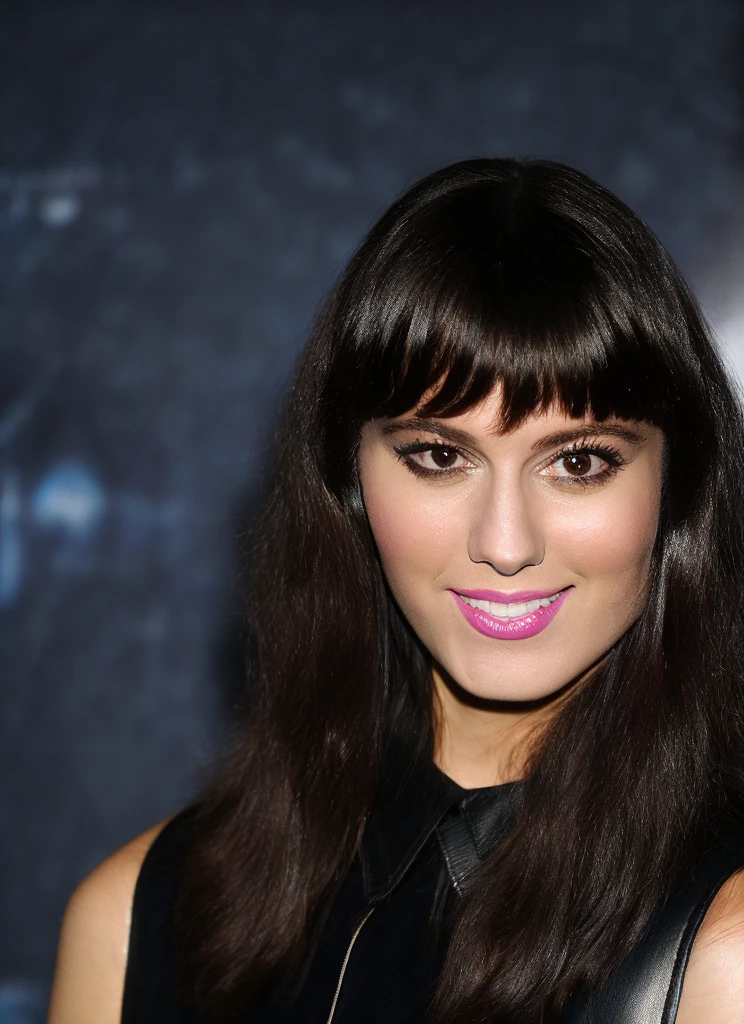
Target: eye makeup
{"points": [[443, 458]]}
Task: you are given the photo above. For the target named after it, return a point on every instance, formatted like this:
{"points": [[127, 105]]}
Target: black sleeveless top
{"points": [[383, 940]]}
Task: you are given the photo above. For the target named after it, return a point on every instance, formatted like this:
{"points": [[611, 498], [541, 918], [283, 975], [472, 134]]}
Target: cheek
{"points": [[617, 539], [416, 533]]}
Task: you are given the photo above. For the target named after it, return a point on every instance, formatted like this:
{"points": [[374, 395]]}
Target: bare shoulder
{"points": [[92, 955], [713, 989]]}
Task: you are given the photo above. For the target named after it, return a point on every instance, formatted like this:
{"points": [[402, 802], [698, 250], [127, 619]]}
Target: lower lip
{"points": [[514, 629]]}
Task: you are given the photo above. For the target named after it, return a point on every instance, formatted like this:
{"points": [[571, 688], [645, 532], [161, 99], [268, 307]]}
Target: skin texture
{"points": [[506, 522], [92, 956], [509, 516], [713, 989], [503, 521]]}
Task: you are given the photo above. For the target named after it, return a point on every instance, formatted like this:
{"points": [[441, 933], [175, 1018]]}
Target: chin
{"points": [[518, 693], [525, 687]]}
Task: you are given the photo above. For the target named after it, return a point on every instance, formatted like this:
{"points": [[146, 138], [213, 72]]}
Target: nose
{"points": [[505, 532]]}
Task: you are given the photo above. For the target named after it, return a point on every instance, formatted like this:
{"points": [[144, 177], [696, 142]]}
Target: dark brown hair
{"points": [[528, 273]]}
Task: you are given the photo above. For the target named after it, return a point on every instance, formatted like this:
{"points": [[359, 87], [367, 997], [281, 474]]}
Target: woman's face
{"points": [[520, 558]]}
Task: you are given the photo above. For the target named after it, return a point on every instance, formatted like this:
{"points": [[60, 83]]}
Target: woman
{"points": [[492, 765]]}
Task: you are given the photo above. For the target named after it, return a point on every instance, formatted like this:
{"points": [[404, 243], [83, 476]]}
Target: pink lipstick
{"points": [[498, 614]]}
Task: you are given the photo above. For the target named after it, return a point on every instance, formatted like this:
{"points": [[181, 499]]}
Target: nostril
{"points": [[503, 569]]}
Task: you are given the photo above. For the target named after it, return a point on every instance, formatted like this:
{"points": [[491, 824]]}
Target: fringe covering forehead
{"points": [[480, 295]]}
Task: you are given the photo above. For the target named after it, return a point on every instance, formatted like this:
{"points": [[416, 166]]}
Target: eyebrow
{"points": [[431, 427], [559, 437]]}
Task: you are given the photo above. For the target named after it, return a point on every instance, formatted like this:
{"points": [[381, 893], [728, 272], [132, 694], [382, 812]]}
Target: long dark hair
{"points": [[528, 273]]}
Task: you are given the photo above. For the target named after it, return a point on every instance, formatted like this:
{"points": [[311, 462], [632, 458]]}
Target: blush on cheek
{"points": [[616, 545], [405, 544], [391, 529], [413, 535]]}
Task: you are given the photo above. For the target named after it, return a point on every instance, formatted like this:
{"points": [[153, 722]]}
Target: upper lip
{"points": [[517, 597]]}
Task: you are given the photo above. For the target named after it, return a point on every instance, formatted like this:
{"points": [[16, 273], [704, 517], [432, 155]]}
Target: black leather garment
{"points": [[385, 936], [646, 988]]}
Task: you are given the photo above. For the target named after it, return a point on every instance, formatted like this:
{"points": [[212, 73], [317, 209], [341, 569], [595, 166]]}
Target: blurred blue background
{"points": [[180, 182]]}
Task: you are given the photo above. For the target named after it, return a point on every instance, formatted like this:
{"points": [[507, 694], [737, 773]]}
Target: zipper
{"points": [[346, 962]]}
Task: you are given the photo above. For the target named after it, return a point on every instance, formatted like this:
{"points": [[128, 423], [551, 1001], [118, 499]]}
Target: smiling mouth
{"points": [[507, 612]]}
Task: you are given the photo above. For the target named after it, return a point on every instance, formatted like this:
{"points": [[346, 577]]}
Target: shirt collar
{"points": [[413, 798]]}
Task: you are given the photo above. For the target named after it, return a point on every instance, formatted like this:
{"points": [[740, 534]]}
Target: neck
{"points": [[484, 743]]}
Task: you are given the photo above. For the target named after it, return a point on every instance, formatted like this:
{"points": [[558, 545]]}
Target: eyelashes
{"points": [[438, 450], [575, 452], [444, 458]]}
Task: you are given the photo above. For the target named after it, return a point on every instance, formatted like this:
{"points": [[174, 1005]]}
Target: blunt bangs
{"points": [[524, 274], [554, 348]]}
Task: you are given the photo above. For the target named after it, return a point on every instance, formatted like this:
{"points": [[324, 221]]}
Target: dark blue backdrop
{"points": [[179, 183]]}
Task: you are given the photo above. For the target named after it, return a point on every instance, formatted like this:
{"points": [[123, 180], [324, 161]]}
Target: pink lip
{"points": [[515, 629], [501, 597]]}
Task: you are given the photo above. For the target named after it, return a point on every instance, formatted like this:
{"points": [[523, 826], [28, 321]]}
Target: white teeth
{"points": [[511, 611]]}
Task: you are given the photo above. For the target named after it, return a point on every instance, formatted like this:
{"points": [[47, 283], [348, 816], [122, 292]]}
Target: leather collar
{"points": [[416, 799]]}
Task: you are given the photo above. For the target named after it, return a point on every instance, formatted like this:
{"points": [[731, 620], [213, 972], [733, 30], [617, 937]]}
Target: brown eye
{"points": [[444, 458], [433, 459], [577, 464], [582, 466]]}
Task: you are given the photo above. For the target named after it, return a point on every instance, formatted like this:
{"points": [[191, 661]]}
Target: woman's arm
{"points": [[713, 988], [92, 956]]}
